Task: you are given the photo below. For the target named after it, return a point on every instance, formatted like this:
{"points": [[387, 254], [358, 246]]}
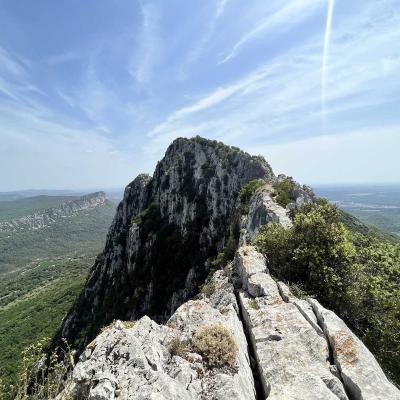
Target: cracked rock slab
{"points": [[361, 373], [292, 358], [134, 361]]}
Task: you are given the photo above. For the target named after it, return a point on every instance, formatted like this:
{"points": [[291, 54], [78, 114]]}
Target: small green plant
{"points": [[209, 287], [285, 191], [253, 304], [217, 345], [45, 376], [128, 324], [247, 191]]}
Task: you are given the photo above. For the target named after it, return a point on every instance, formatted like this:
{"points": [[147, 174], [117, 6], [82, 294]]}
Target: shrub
{"points": [[284, 191], [178, 347], [208, 288], [217, 345], [357, 276], [247, 191], [253, 304], [44, 379]]}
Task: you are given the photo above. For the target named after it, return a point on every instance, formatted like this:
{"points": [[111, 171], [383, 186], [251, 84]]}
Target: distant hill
{"points": [[47, 245], [51, 226]]}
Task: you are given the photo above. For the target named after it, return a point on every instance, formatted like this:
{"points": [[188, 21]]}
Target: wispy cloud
{"points": [[200, 46], [282, 20], [148, 44], [88, 104], [281, 100]]}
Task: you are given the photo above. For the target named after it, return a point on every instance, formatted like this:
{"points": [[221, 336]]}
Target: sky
{"points": [[93, 92]]}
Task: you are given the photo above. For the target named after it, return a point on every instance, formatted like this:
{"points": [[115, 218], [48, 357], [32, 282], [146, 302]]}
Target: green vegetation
{"points": [[45, 384], [284, 191], [356, 225], [71, 235], [227, 154], [253, 304], [22, 207], [374, 205], [230, 247], [217, 345], [42, 272], [44, 292], [247, 191], [356, 275]]}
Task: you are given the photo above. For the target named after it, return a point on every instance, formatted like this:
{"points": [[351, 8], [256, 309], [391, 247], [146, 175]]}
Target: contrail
{"points": [[327, 40]]}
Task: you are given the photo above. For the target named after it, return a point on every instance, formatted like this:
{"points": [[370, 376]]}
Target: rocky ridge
{"points": [[44, 218], [288, 348], [165, 232]]}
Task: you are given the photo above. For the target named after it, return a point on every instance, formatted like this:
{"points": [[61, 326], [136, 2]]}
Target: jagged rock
{"points": [[301, 194], [263, 210], [361, 373], [134, 360], [292, 358], [288, 348], [165, 231], [303, 306]]}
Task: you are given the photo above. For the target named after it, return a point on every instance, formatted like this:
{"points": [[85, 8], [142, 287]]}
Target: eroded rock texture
{"points": [[165, 231], [157, 256]]}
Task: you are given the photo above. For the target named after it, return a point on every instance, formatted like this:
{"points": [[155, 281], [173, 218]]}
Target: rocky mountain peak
{"points": [[156, 273], [166, 231]]}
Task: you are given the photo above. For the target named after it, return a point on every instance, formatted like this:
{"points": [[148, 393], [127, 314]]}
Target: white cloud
{"points": [[342, 158], [148, 49], [282, 20], [284, 96], [200, 46]]}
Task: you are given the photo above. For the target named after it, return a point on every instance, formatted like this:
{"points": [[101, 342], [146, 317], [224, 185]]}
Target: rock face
{"points": [[45, 218], [135, 360], [359, 369], [165, 231], [263, 210], [283, 348]]}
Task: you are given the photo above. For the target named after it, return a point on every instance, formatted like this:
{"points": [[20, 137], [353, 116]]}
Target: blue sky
{"points": [[92, 92]]}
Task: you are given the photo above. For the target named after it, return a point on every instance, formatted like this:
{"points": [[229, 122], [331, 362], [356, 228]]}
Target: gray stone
{"points": [[361, 373], [135, 362], [263, 210]]}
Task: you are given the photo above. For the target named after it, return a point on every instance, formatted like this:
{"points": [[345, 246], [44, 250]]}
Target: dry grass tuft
{"points": [[178, 347], [217, 345]]}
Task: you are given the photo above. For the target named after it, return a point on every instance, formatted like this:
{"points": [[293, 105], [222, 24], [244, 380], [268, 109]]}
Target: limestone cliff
{"points": [[44, 218], [165, 232], [158, 253]]}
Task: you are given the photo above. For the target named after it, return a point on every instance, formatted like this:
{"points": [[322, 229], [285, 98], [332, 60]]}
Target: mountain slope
{"points": [[192, 332], [244, 335], [165, 232], [46, 250], [70, 226]]}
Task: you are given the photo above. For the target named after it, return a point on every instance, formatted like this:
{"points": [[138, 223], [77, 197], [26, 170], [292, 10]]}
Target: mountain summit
{"points": [[165, 232], [204, 318]]}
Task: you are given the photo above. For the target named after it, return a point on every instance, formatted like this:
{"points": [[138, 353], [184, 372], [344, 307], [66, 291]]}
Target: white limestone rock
{"points": [[134, 361], [263, 210], [361, 373]]}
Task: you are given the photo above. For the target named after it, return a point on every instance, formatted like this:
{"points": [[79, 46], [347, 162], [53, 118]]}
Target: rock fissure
{"points": [[255, 369]]}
